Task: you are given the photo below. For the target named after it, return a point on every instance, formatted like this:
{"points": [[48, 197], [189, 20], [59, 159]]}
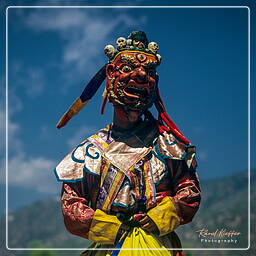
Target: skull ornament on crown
{"points": [[121, 43], [152, 46]]}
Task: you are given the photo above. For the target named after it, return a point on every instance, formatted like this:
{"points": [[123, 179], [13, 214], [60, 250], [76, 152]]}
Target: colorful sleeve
{"points": [[178, 204], [186, 190], [81, 220], [76, 212]]}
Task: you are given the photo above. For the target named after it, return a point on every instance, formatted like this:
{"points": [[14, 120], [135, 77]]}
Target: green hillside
{"points": [[224, 206]]}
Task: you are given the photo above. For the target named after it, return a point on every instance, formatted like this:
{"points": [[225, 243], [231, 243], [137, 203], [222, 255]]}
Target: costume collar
{"points": [[142, 135]]}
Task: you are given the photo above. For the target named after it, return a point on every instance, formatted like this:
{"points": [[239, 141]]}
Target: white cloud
{"points": [[84, 32], [13, 128], [24, 171], [35, 173], [32, 172], [45, 19]]}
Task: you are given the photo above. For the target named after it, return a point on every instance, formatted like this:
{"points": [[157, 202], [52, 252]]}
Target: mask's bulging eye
{"points": [[126, 69]]}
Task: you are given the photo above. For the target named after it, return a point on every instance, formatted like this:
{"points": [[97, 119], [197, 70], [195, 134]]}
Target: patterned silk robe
{"points": [[117, 173]]}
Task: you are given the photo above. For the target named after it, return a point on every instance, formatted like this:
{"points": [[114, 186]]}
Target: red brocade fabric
{"points": [[77, 214]]}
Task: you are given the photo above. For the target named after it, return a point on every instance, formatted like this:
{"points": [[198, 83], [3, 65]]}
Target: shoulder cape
{"points": [[88, 155]]}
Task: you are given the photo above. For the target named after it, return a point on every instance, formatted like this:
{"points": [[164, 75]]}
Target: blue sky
{"points": [[54, 52]]}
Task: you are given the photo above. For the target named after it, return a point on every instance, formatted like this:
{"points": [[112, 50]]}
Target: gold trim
{"points": [[152, 55]]}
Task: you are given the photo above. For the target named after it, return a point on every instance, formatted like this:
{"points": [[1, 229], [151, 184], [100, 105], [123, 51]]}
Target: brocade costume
{"points": [[125, 173]]}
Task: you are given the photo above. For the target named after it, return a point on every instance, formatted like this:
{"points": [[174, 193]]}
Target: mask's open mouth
{"points": [[135, 92]]}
